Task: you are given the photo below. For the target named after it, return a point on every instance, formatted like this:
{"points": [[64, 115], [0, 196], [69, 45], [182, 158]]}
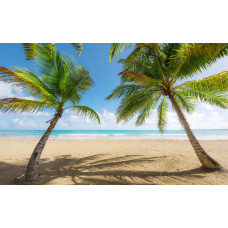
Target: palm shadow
{"points": [[104, 169]]}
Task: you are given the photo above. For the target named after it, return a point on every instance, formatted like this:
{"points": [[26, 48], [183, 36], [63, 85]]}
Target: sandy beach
{"points": [[153, 162]]}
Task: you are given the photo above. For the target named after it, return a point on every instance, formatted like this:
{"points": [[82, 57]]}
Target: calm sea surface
{"points": [[114, 134]]}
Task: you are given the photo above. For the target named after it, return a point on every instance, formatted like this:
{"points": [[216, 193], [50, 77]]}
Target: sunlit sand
{"points": [[151, 162]]}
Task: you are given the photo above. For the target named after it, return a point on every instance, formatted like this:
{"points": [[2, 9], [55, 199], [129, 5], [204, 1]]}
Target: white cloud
{"points": [[207, 106], [108, 115], [62, 123], [36, 114], [216, 117], [26, 123], [6, 90], [197, 120]]}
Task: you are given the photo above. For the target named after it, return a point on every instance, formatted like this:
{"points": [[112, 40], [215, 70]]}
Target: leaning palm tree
{"points": [[61, 86], [154, 74]]}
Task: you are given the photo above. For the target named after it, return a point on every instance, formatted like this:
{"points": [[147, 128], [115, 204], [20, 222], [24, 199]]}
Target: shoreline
{"points": [[114, 134], [108, 139]]}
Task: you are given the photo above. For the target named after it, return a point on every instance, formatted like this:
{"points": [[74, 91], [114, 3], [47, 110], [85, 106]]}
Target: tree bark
{"points": [[31, 172], [204, 158]]}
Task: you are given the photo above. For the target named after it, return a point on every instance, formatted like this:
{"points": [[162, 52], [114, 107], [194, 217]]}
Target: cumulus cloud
{"points": [[197, 120]]}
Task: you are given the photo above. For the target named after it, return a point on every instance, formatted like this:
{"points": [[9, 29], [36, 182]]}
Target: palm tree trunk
{"points": [[204, 158], [31, 173]]}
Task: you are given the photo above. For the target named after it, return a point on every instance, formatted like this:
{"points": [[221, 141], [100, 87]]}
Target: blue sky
{"points": [[94, 58]]}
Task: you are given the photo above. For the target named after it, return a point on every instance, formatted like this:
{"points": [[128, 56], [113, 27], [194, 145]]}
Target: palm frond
{"points": [[118, 48], [210, 50], [31, 50], [184, 102], [46, 57], [193, 58], [146, 111], [170, 50], [130, 105], [162, 114], [79, 81], [125, 90], [219, 99], [25, 79], [217, 83], [87, 112], [22, 105], [60, 74], [134, 57], [78, 47], [151, 48], [148, 59], [136, 77]]}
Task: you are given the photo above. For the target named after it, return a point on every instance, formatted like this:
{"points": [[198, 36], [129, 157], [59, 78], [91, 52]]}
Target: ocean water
{"points": [[115, 134]]}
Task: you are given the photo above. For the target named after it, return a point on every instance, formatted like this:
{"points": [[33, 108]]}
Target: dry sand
{"points": [[114, 162]]}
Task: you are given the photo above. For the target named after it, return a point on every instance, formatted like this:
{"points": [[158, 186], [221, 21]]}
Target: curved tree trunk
{"points": [[204, 158], [31, 173]]}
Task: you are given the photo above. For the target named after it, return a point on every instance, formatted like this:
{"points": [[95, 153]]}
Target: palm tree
{"points": [[61, 87], [154, 74]]}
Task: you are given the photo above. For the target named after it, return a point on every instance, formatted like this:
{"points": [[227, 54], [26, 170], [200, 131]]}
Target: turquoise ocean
{"points": [[115, 134]]}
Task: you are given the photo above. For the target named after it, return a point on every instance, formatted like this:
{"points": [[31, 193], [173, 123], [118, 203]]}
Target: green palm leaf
{"points": [[125, 90], [78, 47], [86, 111], [137, 77], [185, 103], [79, 81], [22, 105], [130, 105], [145, 112], [118, 48], [217, 82], [219, 99], [162, 114], [27, 80], [193, 58], [31, 50]]}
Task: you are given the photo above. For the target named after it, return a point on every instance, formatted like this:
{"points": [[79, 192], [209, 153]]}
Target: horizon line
{"points": [[105, 129]]}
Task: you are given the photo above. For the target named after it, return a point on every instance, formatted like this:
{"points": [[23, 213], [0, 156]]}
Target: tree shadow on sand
{"points": [[106, 170]]}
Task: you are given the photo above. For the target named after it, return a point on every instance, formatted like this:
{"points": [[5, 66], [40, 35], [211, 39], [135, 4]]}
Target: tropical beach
{"points": [[169, 125], [97, 161]]}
